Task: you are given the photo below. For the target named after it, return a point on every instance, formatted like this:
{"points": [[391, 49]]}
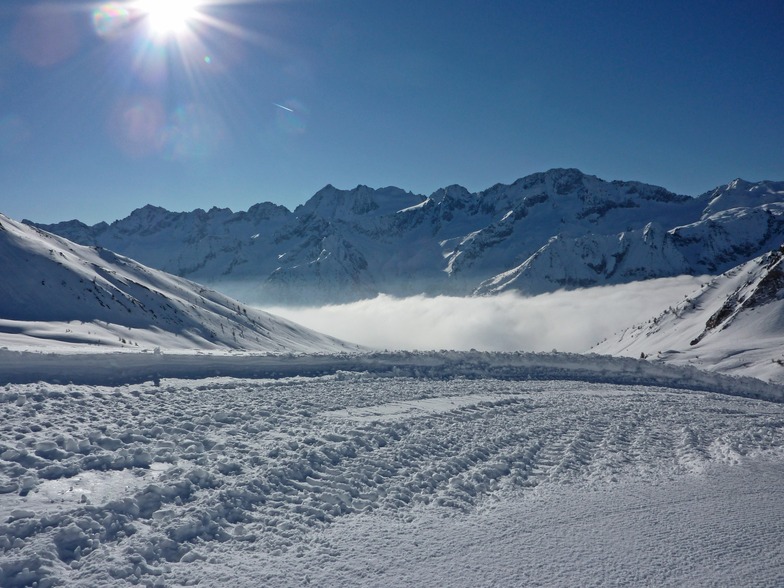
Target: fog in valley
{"points": [[565, 320]]}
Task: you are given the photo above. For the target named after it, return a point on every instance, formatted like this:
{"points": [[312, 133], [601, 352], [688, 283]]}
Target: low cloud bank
{"points": [[565, 320]]}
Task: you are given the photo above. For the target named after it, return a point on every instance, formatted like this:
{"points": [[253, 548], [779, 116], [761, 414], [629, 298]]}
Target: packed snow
{"points": [[446, 469]]}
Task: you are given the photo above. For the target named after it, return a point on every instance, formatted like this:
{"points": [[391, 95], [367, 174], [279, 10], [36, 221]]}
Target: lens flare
{"points": [[109, 19], [172, 56], [194, 132], [46, 35], [136, 126]]}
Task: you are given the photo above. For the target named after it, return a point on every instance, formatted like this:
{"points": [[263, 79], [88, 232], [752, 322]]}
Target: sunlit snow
{"points": [[363, 479]]}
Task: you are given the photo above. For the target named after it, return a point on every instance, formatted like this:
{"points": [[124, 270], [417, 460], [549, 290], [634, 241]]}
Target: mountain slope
{"points": [[592, 259], [54, 290], [551, 230], [735, 323]]}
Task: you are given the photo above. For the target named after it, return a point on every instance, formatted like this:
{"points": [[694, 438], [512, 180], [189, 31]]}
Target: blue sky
{"points": [[272, 100]]}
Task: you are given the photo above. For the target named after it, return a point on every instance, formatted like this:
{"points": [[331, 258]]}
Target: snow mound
{"points": [[57, 293], [107, 369]]}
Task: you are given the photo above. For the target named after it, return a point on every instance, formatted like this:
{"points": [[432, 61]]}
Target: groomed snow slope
{"points": [[354, 479], [733, 324], [57, 294]]}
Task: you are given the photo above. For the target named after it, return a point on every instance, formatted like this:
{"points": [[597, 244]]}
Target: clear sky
{"points": [[107, 107]]}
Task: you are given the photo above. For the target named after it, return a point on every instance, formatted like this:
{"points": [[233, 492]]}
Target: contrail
{"points": [[283, 107]]}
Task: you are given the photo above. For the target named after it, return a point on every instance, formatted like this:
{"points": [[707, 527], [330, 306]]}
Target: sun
{"points": [[169, 17]]}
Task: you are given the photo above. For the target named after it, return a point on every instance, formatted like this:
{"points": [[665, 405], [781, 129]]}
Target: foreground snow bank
{"points": [[357, 479], [124, 368]]}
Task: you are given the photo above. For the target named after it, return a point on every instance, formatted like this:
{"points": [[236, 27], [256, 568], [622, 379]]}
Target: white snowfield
{"points": [[406, 469]]}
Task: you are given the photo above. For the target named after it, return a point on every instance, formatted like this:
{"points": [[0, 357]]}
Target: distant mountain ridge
{"points": [[550, 230]]}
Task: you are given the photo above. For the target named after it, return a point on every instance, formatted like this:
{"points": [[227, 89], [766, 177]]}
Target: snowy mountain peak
{"points": [[265, 211], [566, 181], [554, 175], [742, 194], [454, 193], [764, 285], [334, 204]]}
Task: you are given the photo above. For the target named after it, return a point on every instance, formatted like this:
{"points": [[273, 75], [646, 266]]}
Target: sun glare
{"points": [[169, 17]]}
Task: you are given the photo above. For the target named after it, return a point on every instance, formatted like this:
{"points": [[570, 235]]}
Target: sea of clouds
{"points": [[572, 320]]}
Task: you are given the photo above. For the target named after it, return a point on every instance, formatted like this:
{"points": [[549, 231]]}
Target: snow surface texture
{"points": [[733, 324], [353, 479], [55, 294], [552, 230]]}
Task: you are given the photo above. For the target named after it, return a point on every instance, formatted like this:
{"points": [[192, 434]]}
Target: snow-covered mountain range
{"points": [[56, 293], [558, 229], [734, 324]]}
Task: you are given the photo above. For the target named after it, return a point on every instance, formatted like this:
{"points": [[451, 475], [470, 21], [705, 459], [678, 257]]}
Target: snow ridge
{"points": [[109, 369]]}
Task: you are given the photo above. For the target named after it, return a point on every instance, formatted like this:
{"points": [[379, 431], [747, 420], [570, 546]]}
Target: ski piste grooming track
{"points": [[273, 481]]}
